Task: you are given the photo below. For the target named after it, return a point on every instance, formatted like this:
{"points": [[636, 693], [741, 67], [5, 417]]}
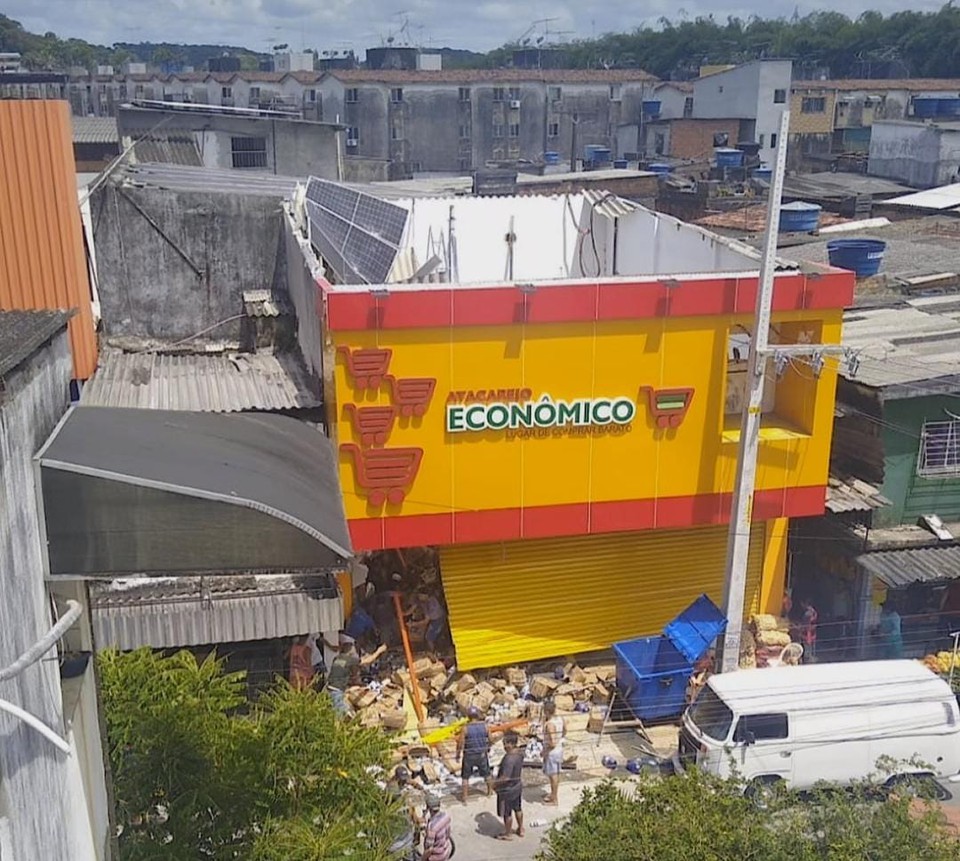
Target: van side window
{"points": [[763, 727]]}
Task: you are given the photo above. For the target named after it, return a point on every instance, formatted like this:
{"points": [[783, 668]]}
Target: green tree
{"points": [[200, 773], [696, 817]]}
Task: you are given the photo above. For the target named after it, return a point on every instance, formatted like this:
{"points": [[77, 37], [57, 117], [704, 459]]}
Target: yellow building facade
{"points": [[571, 448]]}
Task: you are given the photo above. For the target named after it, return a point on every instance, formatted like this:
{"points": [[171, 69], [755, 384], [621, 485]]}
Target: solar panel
{"points": [[356, 233]]}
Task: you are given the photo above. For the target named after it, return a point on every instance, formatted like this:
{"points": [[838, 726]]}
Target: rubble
{"points": [[502, 696]]}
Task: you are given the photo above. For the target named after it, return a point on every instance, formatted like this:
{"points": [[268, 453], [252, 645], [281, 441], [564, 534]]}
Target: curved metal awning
{"points": [[166, 491]]}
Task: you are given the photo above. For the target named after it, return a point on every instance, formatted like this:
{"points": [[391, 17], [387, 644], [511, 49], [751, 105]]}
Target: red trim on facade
{"points": [[547, 521], [580, 302]]}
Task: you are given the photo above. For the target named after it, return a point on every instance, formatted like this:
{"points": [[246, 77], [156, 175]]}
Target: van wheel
{"points": [[924, 785], [763, 791]]}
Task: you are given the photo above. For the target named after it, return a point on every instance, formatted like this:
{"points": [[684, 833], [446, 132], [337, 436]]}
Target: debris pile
{"points": [[764, 642], [500, 695]]}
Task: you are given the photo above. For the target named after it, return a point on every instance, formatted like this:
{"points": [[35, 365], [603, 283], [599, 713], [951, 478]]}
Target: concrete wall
{"points": [[293, 147], [34, 794], [300, 272], [173, 263], [672, 101], [907, 152]]}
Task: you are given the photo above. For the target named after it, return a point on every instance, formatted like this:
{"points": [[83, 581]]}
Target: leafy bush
{"points": [[198, 773], [696, 817]]}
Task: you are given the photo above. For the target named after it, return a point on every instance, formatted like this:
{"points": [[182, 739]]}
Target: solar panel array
{"points": [[357, 234]]}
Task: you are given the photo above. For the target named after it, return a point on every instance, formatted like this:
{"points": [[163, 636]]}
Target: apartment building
{"points": [[458, 120], [831, 117]]}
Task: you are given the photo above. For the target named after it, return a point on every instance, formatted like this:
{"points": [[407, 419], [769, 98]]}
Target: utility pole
{"points": [[741, 513]]}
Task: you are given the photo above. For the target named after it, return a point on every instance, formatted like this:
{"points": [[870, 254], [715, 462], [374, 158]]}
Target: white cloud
{"points": [[362, 23]]}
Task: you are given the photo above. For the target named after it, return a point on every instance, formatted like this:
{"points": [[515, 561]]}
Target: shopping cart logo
{"points": [[382, 473], [667, 406], [366, 367], [385, 474]]}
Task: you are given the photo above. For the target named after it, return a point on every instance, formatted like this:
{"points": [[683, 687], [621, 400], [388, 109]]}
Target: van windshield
{"points": [[712, 715]]}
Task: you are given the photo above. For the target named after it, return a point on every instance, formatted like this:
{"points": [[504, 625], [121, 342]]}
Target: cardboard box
{"points": [[364, 699], [605, 672], [564, 703], [601, 694], [595, 721], [393, 718], [515, 676], [577, 676], [542, 687], [466, 682]]}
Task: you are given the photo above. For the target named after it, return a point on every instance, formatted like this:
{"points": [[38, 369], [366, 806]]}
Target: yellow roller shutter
{"points": [[525, 600]]}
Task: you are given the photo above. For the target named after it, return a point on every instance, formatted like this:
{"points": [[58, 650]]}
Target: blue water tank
{"points": [[662, 169], [602, 155], [551, 158], [799, 217], [621, 164], [948, 107], [926, 107], [764, 173], [728, 157], [651, 108], [862, 256]]}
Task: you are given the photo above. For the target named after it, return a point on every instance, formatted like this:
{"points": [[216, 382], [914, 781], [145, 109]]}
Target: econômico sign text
{"points": [[544, 412]]}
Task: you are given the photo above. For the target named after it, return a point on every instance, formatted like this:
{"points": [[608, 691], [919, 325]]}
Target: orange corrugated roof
{"points": [[42, 260], [912, 84]]}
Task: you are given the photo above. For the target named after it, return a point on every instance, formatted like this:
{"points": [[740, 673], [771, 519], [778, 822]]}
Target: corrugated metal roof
{"points": [[944, 197], [166, 149], [904, 345], [898, 568], [853, 494], [177, 177], [227, 382], [43, 264], [22, 332], [94, 130], [193, 611]]}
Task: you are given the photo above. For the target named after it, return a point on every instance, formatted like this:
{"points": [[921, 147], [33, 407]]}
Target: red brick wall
{"points": [[693, 139]]}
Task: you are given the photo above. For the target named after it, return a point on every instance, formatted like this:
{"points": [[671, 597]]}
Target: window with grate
{"points": [[498, 130], [498, 94], [688, 107], [813, 105], [779, 97], [351, 96], [249, 152], [514, 130], [396, 95], [939, 450], [464, 94], [513, 93], [553, 130], [464, 131], [556, 94]]}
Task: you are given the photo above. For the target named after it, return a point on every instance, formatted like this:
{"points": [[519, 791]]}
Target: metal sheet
{"points": [[94, 130], [229, 382], [944, 197], [273, 464], [192, 611], [568, 595], [853, 494], [43, 264], [898, 568]]}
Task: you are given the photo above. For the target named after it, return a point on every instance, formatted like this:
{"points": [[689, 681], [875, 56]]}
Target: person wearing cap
{"points": [[437, 844], [473, 750], [403, 786], [345, 671]]}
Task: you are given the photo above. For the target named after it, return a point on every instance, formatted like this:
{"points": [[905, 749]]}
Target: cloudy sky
{"points": [[476, 24]]}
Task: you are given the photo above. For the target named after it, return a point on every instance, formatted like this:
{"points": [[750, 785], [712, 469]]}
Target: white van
{"points": [[823, 722]]}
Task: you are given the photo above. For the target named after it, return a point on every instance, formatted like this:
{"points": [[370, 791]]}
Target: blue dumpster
{"points": [[653, 672]]}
